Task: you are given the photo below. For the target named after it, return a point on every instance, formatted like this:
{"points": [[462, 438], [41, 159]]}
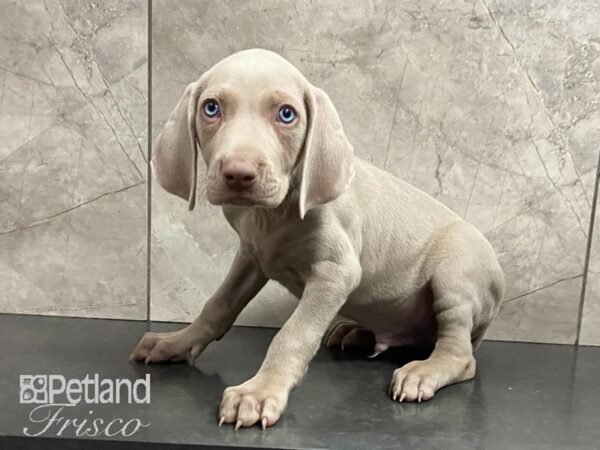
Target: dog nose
{"points": [[239, 173]]}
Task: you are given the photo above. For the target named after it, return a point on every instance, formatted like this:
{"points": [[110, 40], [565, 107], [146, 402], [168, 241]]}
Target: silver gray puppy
{"points": [[360, 248]]}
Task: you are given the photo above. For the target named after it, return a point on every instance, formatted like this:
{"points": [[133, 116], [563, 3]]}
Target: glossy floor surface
{"points": [[525, 396]]}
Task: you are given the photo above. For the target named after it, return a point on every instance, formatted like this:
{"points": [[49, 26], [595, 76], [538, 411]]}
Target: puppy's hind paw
{"points": [[413, 383], [348, 335]]}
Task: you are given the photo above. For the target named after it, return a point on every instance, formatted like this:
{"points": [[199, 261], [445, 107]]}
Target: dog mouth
{"points": [[247, 197], [237, 185]]}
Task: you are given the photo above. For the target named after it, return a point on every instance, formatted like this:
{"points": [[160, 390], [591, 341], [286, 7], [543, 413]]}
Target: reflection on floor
{"points": [[524, 395]]}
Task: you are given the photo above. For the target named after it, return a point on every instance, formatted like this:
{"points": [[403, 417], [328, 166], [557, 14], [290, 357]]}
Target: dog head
{"points": [[263, 131]]}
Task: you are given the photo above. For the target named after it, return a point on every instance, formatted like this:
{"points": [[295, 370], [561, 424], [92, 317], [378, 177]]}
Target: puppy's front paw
{"points": [[161, 347], [252, 402]]}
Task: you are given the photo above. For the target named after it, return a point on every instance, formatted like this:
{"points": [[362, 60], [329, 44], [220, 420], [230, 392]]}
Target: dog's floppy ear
{"points": [[328, 157], [175, 154]]}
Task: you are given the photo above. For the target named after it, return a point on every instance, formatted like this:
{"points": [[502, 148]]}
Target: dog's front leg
{"points": [[241, 284], [264, 397]]}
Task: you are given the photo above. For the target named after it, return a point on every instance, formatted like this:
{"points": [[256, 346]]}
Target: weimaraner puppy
{"points": [[361, 249]]}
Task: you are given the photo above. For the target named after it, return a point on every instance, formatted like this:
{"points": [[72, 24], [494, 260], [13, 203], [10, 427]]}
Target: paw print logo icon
{"points": [[34, 389]]}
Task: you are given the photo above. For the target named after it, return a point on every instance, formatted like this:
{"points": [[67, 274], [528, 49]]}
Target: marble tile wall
{"points": [[558, 45], [434, 92], [73, 77], [490, 106]]}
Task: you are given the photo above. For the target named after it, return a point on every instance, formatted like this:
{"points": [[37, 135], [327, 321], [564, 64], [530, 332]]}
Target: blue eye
{"points": [[286, 114], [211, 108]]}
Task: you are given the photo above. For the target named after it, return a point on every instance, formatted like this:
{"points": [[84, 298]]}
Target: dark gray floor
{"points": [[525, 396]]}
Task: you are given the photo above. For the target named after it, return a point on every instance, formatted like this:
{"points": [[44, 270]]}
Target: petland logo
{"points": [[54, 394]]}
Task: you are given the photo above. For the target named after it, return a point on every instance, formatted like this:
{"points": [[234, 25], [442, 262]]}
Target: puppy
{"points": [[361, 249]]}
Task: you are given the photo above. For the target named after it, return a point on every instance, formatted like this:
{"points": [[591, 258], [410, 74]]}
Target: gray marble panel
{"points": [[433, 92], [558, 45], [73, 136]]}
